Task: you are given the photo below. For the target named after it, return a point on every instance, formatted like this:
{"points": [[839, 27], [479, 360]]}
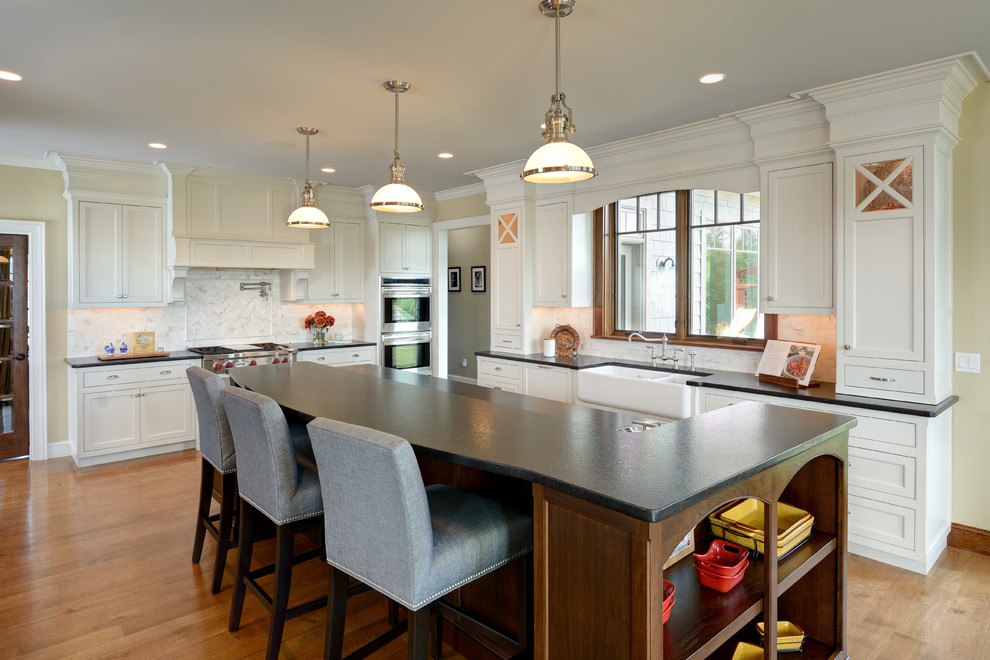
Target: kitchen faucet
{"points": [[663, 357]]}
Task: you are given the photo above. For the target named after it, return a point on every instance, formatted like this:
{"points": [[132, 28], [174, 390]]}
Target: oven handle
{"points": [[405, 292], [406, 338]]}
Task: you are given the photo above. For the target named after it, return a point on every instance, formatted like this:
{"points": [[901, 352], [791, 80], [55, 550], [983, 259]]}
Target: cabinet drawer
{"points": [[102, 376], [884, 430], [716, 401], [506, 340], [503, 384], [500, 369], [879, 524], [340, 356], [879, 471], [888, 380]]}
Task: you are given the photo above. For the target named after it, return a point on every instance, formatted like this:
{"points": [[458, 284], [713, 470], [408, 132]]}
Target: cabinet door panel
{"points": [[507, 288], [417, 249], [166, 414], [111, 420], [882, 472], [98, 263], [550, 258], [348, 263], [320, 285], [878, 524], [391, 237], [548, 383], [143, 270]]}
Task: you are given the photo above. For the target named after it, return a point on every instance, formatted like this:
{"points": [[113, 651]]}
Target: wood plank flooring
{"points": [[95, 563]]}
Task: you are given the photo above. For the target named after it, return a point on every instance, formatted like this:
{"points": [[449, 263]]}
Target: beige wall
{"points": [[971, 312], [462, 207], [34, 194], [468, 313]]}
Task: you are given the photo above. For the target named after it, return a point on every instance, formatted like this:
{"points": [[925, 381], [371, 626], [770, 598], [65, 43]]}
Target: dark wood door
{"points": [[14, 403]]}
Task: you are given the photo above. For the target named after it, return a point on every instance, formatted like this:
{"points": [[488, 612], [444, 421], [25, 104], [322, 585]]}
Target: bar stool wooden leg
{"points": [[285, 537], [203, 512], [437, 635], [333, 648], [419, 634], [245, 548], [228, 503]]}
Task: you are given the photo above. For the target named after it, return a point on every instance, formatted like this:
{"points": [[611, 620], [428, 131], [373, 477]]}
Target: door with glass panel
{"points": [[14, 432]]}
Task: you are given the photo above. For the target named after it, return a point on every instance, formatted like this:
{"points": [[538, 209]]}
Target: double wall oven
{"points": [[407, 328]]}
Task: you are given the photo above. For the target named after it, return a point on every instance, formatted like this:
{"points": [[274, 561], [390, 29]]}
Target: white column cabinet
{"points": [[796, 242], [561, 257], [339, 264], [507, 280], [404, 248], [119, 258]]}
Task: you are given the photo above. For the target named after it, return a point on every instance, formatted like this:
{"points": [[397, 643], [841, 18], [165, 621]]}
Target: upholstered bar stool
{"points": [[217, 451], [271, 483], [411, 543]]}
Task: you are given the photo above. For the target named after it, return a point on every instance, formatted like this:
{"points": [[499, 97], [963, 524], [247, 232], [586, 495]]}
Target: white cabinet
{"points": [[796, 240], [404, 248], [131, 410], [338, 357], [500, 374], [507, 280], [899, 476], [119, 255], [562, 260], [548, 382], [339, 264]]}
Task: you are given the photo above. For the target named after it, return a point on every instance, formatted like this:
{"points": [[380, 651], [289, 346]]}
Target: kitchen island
{"points": [[610, 505]]}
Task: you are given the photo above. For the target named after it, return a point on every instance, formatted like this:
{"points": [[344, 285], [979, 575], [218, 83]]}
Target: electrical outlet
{"points": [[968, 363], [463, 362]]}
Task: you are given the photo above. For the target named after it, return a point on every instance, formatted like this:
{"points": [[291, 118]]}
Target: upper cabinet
{"points": [[338, 275], [119, 255], [797, 228], [404, 248], [561, 257]]}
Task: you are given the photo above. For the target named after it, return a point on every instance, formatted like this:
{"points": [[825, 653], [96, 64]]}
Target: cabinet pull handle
{"points": [[498, 368], [883, 380], [496, 387], [165, 373], [563, 295], [113, 377], [542, 366], [356, 355], [320, 359], [506, 341]]}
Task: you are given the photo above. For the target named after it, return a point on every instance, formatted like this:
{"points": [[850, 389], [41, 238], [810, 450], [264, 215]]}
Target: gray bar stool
{"points": [[218, 459], [270, 482], [411, 543]]}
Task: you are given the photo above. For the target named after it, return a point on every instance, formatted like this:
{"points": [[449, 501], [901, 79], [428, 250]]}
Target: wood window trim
{"points": [[604, 291]]}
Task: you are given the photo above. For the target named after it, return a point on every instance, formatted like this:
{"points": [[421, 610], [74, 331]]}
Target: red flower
{"points": [[319, 320]]}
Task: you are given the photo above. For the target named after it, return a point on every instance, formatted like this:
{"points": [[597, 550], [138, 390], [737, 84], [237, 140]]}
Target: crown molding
{"points": [[16, 160]]}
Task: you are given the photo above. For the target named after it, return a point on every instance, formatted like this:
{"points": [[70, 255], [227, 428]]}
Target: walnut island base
{"points": [[609, 507]]}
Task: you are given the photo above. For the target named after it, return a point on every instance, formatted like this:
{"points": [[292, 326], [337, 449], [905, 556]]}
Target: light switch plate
{"points": [[968, 363]]}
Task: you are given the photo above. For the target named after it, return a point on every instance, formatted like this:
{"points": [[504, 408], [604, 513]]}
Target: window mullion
{"points": [[684, 259]]}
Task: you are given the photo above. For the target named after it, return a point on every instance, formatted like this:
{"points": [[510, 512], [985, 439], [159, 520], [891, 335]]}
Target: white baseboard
{"points": [[59, 449], [462, 379]]}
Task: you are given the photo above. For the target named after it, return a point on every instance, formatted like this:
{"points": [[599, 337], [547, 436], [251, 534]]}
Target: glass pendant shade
{"points": [[308, 216], [558, 162]]}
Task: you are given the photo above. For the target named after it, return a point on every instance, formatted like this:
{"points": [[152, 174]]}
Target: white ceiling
{"points": [[225, 83]]}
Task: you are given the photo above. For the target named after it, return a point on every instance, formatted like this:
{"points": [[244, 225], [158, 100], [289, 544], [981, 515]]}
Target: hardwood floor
{"points": [[96, 564]]}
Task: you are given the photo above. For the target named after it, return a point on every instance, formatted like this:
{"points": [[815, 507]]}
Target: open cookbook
{"points": [[790, 361]]}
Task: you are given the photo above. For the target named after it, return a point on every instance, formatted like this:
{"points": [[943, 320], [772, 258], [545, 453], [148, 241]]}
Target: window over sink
{"points": [[684, 263]]}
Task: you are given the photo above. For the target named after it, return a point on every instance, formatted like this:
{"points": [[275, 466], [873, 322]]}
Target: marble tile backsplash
{"points": [[215, 311], [810, 329]]}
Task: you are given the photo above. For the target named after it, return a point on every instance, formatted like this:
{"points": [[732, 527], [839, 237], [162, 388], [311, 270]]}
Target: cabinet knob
{"points": [[517, 325], [563, 295], [320, 359], [497, 387], [846, 346], [769, 298], [356, 355]]}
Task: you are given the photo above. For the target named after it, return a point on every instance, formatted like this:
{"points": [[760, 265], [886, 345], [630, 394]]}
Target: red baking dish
{"points": [[723, 558], [668, 599], [719, 571], [720, 582]]}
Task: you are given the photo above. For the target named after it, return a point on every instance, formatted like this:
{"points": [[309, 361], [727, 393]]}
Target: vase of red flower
{"points": [[320, 322]]}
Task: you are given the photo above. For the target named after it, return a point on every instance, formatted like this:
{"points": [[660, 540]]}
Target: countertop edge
{"points": [[93, 361]]}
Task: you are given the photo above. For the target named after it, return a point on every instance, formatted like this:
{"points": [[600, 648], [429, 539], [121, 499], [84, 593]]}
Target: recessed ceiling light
{"points": [[711, 78], [157, 145], [445, 155], [328, 170], [11, 76]]}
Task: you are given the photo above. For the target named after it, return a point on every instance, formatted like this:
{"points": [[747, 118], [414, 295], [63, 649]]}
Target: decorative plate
{"points": [[567, 340]]}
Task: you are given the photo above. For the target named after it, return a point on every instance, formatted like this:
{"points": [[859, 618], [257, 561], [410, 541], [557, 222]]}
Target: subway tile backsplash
{"points": [[215, 311]]}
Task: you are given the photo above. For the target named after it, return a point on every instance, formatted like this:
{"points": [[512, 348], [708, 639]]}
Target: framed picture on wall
{"points": [[454, 278], [478, 279]]}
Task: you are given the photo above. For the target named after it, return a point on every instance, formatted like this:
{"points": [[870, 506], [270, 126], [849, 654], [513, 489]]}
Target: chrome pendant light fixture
{"points": [[558, 161], [395, 196], [308, 216]]}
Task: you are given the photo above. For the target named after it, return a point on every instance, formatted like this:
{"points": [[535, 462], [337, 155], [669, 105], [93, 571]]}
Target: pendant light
{"points": [[308, 216], [395, 196], [558, 161]]}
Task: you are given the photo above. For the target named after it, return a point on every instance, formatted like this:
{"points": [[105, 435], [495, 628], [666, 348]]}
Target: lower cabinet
{"points": [[125, 411], [900, 480], [339, 357], [541, 380]]}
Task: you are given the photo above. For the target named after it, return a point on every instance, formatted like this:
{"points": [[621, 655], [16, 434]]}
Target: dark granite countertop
{"points": [[649, 475], [93, 361], [736, 381]]}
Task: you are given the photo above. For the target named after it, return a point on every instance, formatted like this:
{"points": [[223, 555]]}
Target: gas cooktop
{"points": [[238, 348]]}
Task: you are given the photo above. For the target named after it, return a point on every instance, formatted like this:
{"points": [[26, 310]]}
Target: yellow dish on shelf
{"points": [[790, 636], [742, 523], [747, 651], [750, 543]]}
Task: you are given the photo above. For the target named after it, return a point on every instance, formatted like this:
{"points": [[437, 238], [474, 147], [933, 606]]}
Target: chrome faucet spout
{"points": [[636, 334]]}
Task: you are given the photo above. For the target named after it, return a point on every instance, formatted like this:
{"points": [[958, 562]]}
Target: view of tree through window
{"points": [[686, 263]]}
